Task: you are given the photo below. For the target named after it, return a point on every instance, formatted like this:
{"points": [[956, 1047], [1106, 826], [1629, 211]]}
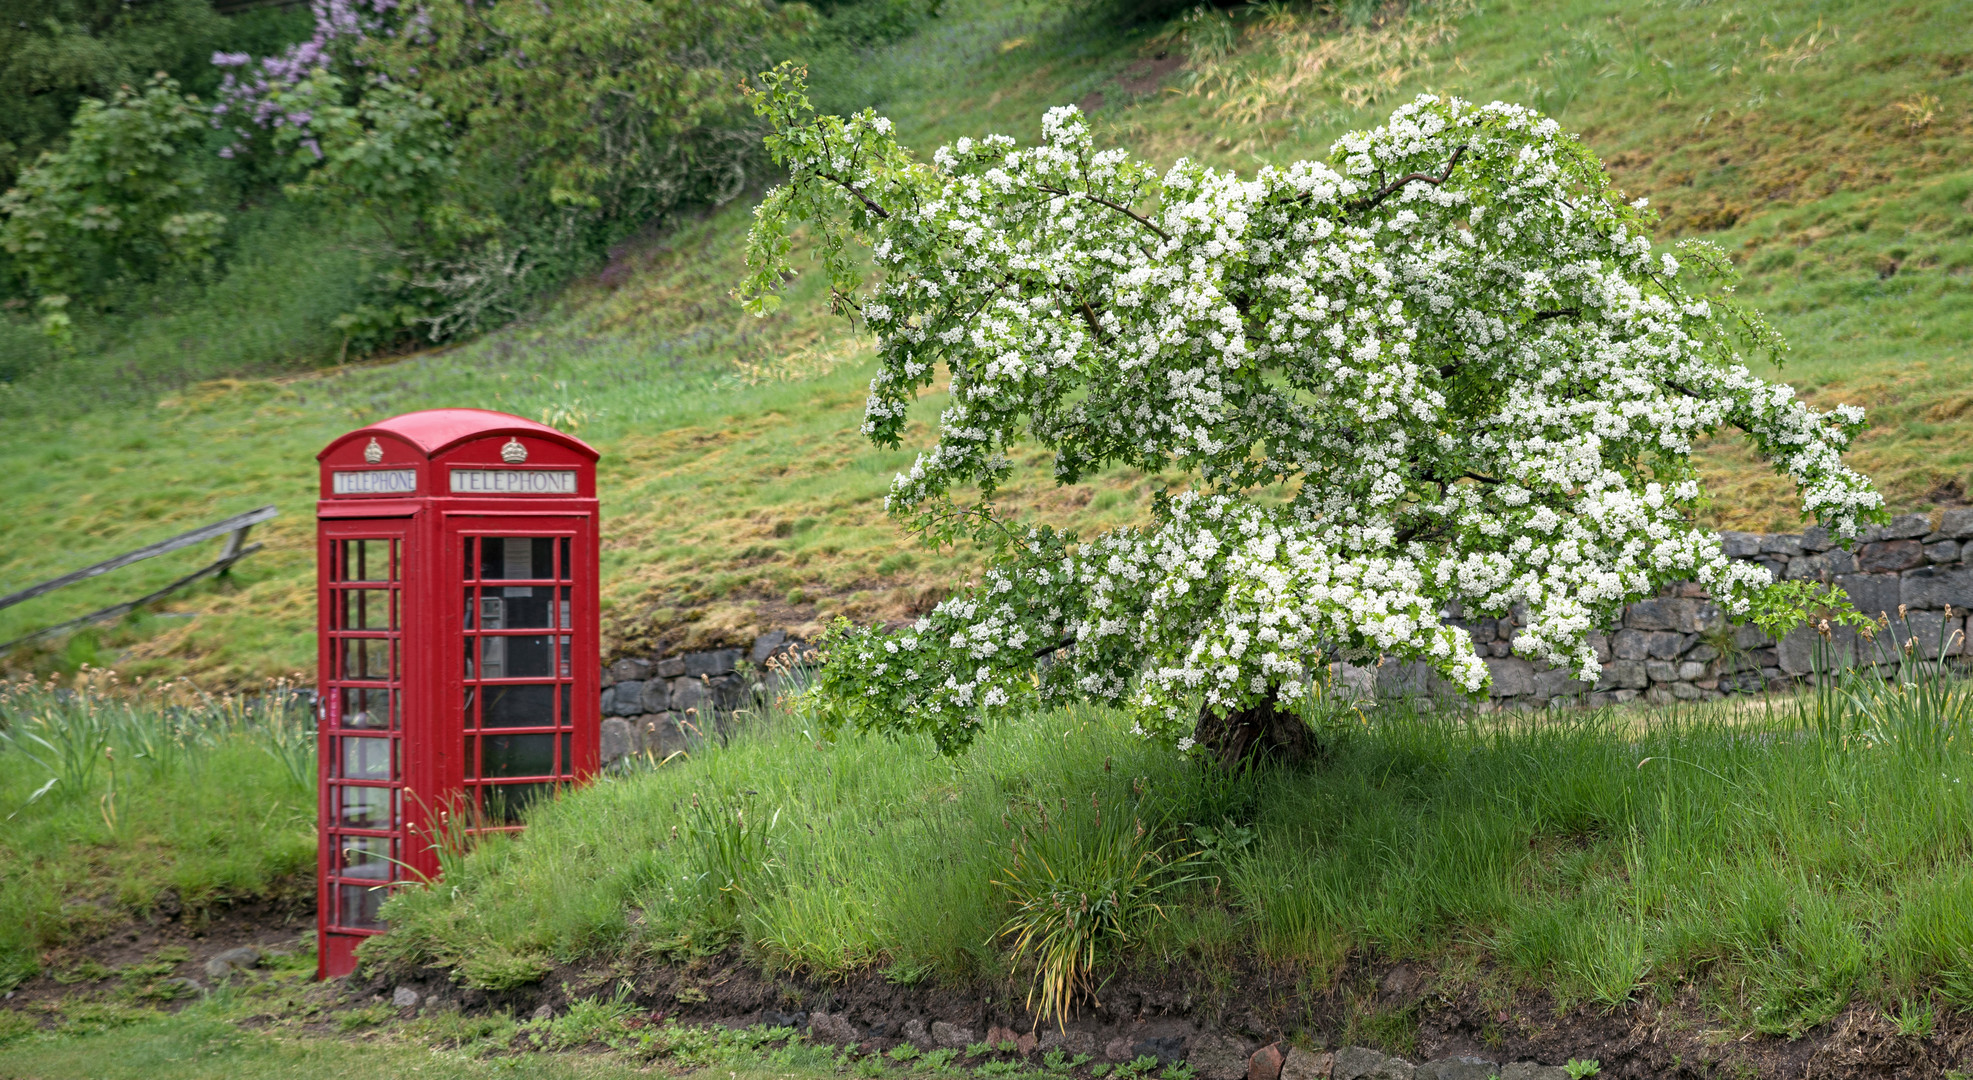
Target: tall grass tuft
{"points": [[118, 799]]}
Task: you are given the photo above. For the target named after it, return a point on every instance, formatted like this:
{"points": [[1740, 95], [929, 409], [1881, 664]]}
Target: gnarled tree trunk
{"points": [[1263, 732]]}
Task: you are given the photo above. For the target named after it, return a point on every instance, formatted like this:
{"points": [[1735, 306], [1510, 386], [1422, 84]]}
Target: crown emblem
{"points": [[373, 453], [513, 453]]}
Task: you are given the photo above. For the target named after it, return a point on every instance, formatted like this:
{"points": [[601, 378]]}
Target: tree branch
{"points": [[1557, 314], [881, 213], [1124, 210], [1057, 647], [1385, 192]]}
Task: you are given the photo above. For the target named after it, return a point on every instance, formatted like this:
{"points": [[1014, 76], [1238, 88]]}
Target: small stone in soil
{"points": [[1265, 1064], [404, 998], [951, 1036], [1118, 1050], [916, 1035], [226, 963], [1215, 1057], [544, 1012]]}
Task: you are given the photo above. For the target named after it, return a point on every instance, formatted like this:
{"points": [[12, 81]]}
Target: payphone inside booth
{"points": [[458, 655]]}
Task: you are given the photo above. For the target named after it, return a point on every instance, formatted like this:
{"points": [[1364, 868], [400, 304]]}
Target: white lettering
{"points": [[374, 482], [513, 481]]}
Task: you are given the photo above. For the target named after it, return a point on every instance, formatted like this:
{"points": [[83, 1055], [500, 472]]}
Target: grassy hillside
{"points": [[1826, 143]]}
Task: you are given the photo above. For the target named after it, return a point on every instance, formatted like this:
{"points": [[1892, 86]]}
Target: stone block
{"points": [[609, 700], [1908, 527], [1301, 1064], [1458, 1068], [691, 696], [630, 671], [1218, 1057], [1740, 545], [1804, 650], [1528, 1070], [1358, 1063], [617, 739], [1815, 538], [1406, 680], [1889, 556], [1702, 652], [1786, 545], [1265, 1064], [1166, 1049], [1750, 637], [1957, 523], [1927, 631], [1663, 645], [1552, 682], [671, 667], [1622, 674], [1689, 670], [655, 698], [711, 662], [1876, 594], [1512, 676], [1661, 671], [1933, 587], [1805, 568], [1652, 614], [1942, 551], [1840, 561], [766, 645], [729, 692], [1630, 645], [1352, 683], [625, 697], [1599, 643]]}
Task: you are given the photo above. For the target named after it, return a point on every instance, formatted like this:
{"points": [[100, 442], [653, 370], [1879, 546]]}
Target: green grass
{"points": [[737, 496], [1780, 863], [163, 794]]}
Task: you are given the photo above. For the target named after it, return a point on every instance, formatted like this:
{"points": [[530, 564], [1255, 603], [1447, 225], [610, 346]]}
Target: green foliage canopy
{"points": [[119, 201]]}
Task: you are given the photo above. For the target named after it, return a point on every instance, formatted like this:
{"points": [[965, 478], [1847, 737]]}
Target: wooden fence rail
{"points": [[233, 528]]}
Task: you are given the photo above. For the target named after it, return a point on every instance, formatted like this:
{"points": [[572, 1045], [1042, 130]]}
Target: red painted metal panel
{"points": [[464, 679]]}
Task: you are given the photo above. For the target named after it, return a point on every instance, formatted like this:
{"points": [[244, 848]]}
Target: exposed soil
{"points": [[279, 925], [1160, 1013], [1141, 1012]]}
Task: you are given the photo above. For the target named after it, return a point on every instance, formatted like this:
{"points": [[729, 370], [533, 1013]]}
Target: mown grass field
{"points": [[1826, 144]]}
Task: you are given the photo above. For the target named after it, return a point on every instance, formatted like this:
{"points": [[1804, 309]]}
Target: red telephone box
{"points": [[458, 645]]}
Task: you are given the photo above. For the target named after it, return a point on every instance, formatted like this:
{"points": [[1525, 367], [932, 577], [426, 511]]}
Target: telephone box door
{"points": [[361, 757], [523, 668]]}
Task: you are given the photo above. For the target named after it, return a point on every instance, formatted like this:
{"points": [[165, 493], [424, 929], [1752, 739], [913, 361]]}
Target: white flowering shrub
{"points": [[1447, 369]]}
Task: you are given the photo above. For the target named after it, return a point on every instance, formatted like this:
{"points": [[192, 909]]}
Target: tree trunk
{"points": [[1263, 732]]}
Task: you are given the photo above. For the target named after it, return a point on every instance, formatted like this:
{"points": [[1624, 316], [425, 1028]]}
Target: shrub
{"points": [[120, 201]]}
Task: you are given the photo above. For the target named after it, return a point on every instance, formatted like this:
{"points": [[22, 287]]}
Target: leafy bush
{"points": [[498, 146], [120, 201], [55, 53]]}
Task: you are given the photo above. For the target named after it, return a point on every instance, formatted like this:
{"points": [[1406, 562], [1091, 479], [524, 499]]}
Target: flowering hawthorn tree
{"points": [[1448, 369]]}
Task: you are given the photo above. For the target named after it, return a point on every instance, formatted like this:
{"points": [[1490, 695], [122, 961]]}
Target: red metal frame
{"points": [[417, 748]]}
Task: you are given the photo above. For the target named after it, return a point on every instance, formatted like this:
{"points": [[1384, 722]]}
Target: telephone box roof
{"points": [[435, 431]]}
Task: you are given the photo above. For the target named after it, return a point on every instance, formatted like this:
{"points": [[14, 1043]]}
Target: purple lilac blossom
{"points": [[248, 92]]}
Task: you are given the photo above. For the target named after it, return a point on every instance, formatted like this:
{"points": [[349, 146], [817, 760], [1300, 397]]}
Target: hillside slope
{"points": [[1826, 143]]}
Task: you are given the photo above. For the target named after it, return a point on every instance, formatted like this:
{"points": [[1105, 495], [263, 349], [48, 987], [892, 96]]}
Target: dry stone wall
{"points": [[1916, 572]]}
